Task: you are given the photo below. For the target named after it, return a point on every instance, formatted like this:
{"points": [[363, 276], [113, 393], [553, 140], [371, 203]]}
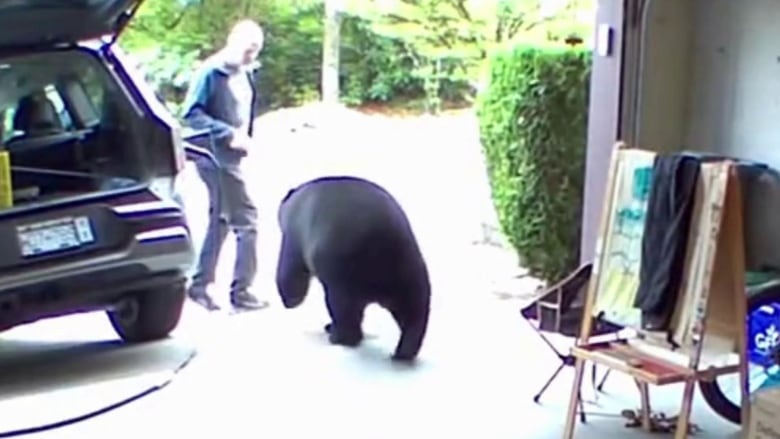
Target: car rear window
{"points": [[73, 82]]}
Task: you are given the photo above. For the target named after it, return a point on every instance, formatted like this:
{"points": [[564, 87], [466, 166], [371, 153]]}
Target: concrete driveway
{"points": [[272, 374]]}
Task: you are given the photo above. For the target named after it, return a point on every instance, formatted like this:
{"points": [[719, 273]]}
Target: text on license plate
{"points": [[56, 235]]}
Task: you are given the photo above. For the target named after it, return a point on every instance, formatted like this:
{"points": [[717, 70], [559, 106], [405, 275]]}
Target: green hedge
{"points": [[533, 125]]}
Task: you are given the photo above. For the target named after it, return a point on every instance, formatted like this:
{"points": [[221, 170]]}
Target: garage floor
{"points": [[273, 374]]}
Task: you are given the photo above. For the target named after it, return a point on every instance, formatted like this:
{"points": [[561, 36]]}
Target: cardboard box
{"points": [[764, 419]]}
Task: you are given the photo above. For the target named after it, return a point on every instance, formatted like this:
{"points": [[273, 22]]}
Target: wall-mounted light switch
{"points": [[604, 37]]}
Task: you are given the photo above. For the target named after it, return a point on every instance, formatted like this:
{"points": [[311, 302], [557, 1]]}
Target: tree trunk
{"points": [[331, 47]]}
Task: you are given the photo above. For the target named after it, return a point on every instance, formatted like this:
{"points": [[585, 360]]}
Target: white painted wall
{"points": [[711, 82], [665, 75]]}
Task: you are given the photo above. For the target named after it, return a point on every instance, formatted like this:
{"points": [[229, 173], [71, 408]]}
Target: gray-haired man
{"points": [[222, 100]]}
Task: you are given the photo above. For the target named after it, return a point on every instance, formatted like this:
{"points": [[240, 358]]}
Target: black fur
{"points": [[354, 237]]}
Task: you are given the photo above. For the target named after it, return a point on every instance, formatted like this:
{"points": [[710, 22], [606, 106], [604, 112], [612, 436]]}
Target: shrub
{"points": [[533, 126]]}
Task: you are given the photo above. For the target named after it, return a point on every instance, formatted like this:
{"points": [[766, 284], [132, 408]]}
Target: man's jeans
{"points": [[230, 208]]}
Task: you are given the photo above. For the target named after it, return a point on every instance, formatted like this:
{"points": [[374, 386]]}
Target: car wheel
{"points": [[719, 402], [149, 315]]}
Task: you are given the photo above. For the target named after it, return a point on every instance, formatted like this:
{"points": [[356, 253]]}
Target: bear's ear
{"points": [[281, 209], [288, 195]]}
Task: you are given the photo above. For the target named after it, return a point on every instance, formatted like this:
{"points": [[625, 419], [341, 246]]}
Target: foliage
{"points": [[533, 129], [373, 66], [291, 60], [437, 38], [447, 41], [391, 49]]}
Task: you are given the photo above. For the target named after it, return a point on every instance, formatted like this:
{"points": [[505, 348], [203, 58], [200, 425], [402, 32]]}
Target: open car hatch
{"points": [[25, 23]]}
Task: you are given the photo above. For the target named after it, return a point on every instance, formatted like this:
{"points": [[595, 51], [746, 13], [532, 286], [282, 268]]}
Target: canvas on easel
{"points": [[621, 249], [711, 296]]}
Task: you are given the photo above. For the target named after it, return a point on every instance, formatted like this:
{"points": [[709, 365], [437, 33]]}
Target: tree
{"points": [[381, 50], [448, 41], [331, 48], [438, 37]]}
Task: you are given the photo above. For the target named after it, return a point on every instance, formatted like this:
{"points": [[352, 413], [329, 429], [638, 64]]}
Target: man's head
{"points": [[244, 43]]}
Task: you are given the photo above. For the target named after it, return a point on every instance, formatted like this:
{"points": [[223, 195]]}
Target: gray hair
{"points": [[246, 31]]}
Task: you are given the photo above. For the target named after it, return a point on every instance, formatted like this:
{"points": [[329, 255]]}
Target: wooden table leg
{"points": [[574, 399], [683, 421], [645, 409]]}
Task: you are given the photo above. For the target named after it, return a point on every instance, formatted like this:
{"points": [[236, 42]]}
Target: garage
{"points": [[690, 75]]}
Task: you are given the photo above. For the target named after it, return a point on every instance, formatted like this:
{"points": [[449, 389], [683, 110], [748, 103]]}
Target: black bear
{"points": [[355, 238]]}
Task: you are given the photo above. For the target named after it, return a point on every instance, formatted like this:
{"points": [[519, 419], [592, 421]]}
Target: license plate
{"points": [[54, 236]]}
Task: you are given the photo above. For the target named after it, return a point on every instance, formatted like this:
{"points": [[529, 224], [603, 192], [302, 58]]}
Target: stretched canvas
{"points": [[620, 256]]}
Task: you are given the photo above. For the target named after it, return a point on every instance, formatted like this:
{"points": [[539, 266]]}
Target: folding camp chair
{"points": [[560, 310]]}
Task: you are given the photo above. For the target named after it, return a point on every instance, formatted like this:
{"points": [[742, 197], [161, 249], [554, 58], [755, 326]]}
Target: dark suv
{"points": [[89, 219]]}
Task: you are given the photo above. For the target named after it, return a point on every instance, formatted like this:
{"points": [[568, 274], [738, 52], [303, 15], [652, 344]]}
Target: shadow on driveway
{"points": [[57, 370], [30, 367]]}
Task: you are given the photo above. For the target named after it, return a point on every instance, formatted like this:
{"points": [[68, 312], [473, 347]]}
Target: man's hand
{"points": [[240, 140]]}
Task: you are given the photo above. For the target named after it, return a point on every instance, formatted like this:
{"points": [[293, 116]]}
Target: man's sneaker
{"points": [[245, 301], [203, 299]]}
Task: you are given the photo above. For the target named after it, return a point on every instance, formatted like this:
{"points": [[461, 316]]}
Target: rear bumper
{"points": [[98, 283], [154, 251], [147, 246]]}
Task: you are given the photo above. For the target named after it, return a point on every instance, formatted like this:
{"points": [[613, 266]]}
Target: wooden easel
{"points": [[714, 272]]}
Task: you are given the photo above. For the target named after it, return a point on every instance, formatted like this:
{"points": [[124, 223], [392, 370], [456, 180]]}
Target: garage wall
{"points": [[736, 81], [665, 75], [711, 82], [603, 122]]}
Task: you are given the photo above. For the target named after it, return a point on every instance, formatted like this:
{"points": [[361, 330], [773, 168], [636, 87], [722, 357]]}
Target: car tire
{"points": [[710, 390], [720, 403], [149, 315]]}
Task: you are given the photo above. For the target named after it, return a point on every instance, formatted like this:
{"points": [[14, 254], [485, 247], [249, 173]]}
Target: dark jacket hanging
{"points": [[665, 240]]}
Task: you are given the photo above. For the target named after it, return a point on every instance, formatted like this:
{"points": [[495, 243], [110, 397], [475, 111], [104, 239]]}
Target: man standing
{"points": [[221, 100]]}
